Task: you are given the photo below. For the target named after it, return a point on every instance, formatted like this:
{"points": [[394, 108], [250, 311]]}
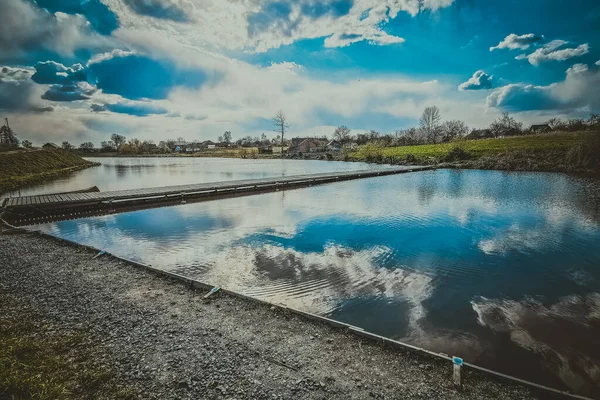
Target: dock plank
{"points": [[248, 185]]}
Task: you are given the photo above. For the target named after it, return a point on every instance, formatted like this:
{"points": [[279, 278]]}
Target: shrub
{"points": [[457, 153], [585, 155]]}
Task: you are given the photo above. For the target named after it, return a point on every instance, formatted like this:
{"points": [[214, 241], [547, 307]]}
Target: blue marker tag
{"points": [[99, 254], [457, 360]]}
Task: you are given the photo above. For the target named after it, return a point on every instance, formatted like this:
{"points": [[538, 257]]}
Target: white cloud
{"points": [[175, 10], [18, 92], [551, 51], [240, 93], [109, 55], [480, 80], [285, 67], [254, 25], [29, 28], [376, 38], [514, 42], [577, 91], [241, 97], [524, 320]]}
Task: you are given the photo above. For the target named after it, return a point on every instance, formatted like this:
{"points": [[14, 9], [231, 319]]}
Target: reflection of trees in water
{"points": [[533, 189], [426, 191], [588, 200], [456, 183], [123, 170]]}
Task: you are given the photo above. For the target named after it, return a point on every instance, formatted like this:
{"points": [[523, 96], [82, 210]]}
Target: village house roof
{"points": [[540, 127]]}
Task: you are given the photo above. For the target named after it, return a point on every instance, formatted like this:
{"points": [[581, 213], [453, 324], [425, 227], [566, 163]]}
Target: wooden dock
{"points": [[41, 208]]}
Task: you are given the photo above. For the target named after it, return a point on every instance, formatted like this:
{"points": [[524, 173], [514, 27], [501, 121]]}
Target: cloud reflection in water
{"points": [[406, 256]]}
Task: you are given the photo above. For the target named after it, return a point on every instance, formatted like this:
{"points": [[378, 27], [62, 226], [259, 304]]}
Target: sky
{"points": [[81, 70]]}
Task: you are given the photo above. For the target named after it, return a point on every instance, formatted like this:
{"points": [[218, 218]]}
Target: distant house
{"points": [[541, 128], [334, 145], [193, 147], [480, 134], [180, 146], [265, 150], [307, 145], [208, 144], [512, 132], [276, 149], [50, 145]]}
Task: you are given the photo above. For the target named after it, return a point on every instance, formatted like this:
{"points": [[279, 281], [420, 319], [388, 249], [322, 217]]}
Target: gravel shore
{"points": [[165, 340]]}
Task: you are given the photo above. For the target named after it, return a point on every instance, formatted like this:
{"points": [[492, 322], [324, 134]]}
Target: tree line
{"points": [[430, 130]]}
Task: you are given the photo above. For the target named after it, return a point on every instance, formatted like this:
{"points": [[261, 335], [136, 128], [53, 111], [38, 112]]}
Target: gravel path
{"points": [[164, 339]]}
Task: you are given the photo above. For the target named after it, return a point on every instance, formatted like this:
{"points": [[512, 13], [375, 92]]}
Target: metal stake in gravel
{"points": [[457, 362], [212, 291]]}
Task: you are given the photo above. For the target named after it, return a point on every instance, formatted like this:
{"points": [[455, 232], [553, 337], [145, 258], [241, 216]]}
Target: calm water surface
{"points": [[121, 173], [502, 269]]}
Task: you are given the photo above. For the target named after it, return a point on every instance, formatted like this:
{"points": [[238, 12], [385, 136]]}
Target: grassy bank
{"points": [[23, 167], [38, 363], [565, 152]]}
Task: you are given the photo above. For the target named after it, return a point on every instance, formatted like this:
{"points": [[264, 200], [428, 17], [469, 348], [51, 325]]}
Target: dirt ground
{"points": [[162, 338]]}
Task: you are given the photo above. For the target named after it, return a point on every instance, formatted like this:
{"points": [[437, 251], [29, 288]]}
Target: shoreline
{"points": [[33, 179], [27, 167], [147, 317]]}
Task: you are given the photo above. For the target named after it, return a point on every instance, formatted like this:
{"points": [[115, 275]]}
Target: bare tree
{"points": [[86, 146], [555, 124], [429, 122], [8, 136], [117, 139], [505, 125], [67, 146], [576, 124], [170, 143], [409, 136], [342, 134], [453, 129], [227, 137], [593, 121], [281, 125]]}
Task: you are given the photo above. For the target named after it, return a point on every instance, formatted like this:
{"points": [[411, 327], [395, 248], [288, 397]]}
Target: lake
{"points": [[500, 268]]}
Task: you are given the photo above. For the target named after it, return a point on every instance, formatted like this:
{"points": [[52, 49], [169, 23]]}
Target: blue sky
{"points": [[83, 69]]}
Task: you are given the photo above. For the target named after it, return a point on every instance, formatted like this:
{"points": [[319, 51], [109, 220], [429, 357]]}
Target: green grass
{"points": [[37, 363], [245, 152], [19, 168], [551, 152]]}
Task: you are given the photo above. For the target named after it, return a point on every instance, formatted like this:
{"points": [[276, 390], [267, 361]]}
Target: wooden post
{"points": [[457, 363]]}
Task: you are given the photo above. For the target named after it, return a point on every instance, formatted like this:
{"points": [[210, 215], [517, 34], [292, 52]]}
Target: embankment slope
{"points": [[23, 167], [555, 152]]}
